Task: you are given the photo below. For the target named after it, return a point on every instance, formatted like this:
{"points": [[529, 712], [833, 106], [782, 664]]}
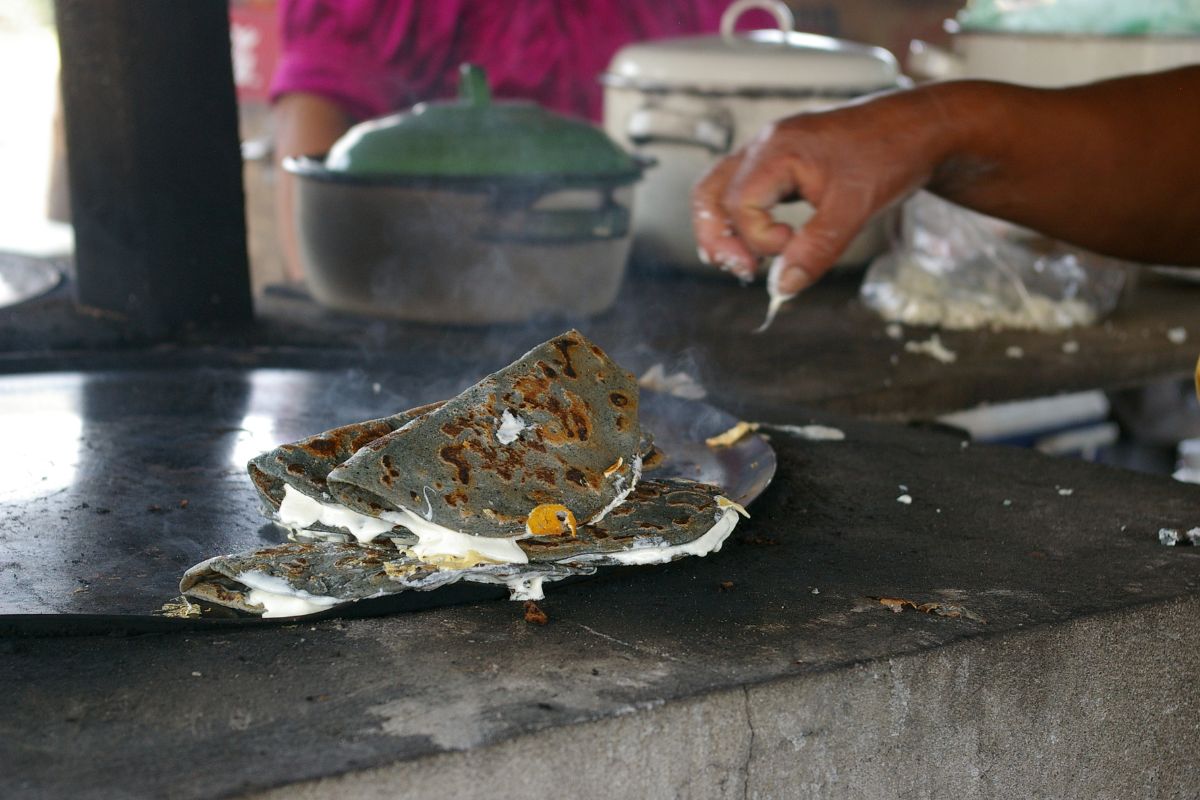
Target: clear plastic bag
{"points": [[956, 269], [1100, 17]]}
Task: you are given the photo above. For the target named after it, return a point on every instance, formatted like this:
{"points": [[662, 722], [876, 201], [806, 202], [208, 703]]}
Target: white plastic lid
{"points": [[780, 61]]}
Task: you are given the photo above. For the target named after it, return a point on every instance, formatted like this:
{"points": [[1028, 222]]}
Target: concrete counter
{"points": [[771, 669]]}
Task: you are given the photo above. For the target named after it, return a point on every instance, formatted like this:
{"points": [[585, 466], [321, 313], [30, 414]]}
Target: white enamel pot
{"points": [[689, 102], [1047, 59]]}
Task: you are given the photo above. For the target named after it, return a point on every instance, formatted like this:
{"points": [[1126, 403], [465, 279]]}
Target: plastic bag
{"points": [[1098, 17], [956, 269]]}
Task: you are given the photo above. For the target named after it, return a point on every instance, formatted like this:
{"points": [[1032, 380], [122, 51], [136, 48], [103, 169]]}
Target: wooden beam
{"points": [[155, 162]]}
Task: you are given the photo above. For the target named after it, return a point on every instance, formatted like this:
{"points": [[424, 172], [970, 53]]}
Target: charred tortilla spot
{"points": [[564, 347], [367, 434], [531, 387], [580, 426], [646, 491], [390, 467], [538, 543], [321, 446], [270, 488]]}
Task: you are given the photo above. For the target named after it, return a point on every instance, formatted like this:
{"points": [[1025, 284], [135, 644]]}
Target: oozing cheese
{"points": [[708, 543], [436, 540], [519, 587], [279, 599], [298, 511]]}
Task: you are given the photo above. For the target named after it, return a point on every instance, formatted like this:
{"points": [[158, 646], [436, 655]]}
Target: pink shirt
{"points": [[377, 56]]}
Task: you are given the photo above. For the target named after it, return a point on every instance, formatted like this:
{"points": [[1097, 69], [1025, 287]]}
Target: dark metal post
{"points": [[155, 163]]}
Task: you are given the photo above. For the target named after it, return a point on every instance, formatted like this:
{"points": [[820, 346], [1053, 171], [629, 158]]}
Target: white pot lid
{"points": [[764, 62]]}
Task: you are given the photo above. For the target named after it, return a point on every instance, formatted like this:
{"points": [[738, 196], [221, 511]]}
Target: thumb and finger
{"points": [[734, 223], [802, 255], [716, 237], [816, 246]]}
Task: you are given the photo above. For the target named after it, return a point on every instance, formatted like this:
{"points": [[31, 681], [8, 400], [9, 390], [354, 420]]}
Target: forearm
{"points": [[1113, 166], [305, 124]]}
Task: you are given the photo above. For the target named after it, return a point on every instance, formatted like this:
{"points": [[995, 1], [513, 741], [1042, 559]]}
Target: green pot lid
{"points": [[474, 137]]}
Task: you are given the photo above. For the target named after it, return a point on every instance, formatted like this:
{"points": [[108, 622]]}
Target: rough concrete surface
{"points": [[1098, 708]]}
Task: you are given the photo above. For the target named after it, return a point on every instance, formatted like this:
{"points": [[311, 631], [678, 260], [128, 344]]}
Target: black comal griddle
{"points": [[118, 480]]}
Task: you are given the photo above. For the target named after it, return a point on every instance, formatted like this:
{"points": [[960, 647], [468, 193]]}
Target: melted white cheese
{"points": [[526, 588], [436, 540], [279, 598], [933, 348], [708, 543], [510, 427], [623, 492], [776, 297], [814, 433], [298, 511]]}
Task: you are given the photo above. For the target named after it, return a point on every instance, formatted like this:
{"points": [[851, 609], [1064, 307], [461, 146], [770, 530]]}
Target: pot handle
{"points": [[776, 8], [712, 131]]}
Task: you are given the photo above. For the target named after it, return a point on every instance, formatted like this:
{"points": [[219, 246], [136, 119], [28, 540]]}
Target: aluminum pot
{"points": [[689, 102], [470, 212], [1048, 59]]}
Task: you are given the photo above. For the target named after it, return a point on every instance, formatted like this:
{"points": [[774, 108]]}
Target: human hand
{"points": [[849, 163]]}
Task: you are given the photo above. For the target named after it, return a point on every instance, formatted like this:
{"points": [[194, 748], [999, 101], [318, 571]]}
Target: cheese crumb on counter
{"points": [[933, 348]]}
